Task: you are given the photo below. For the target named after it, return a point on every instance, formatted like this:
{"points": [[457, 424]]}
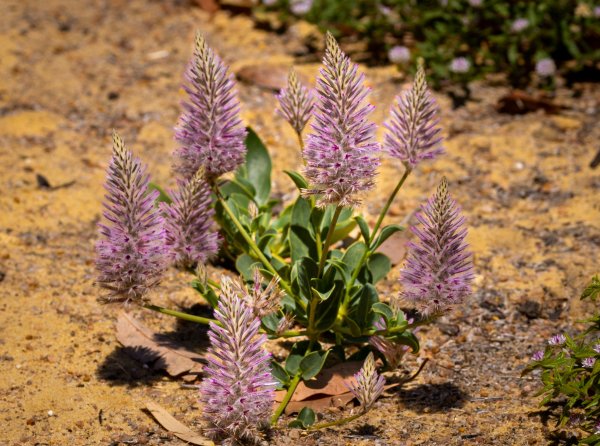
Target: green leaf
{"points": [[360, 311], [302, 241], [592, 291], [409, 339], [258, 165], [312, 364], [298, 179], [385, 233], [384, 310], [364, 227], [280, 375], [292, 363], [353, 255], [326, 311], [303, 272], [379, 265], [245, 266], [163, 197], [305, 418]]}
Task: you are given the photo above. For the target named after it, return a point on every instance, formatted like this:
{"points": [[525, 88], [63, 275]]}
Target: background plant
{"points": [[466, 39], [570, 374]]}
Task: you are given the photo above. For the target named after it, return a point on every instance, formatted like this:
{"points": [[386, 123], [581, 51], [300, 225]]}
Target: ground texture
{"points": [[72, 71]]}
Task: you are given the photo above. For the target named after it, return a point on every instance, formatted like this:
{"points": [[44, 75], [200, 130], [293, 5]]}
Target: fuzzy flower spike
{"points": [[369, 384], [188, 221], [238, 391], [439, 269], [341, 153], [295, 103], [130, 257], [413, 133], [210, 132]]}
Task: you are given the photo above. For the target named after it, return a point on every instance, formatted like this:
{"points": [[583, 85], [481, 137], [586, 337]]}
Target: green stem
{"points": [[327, 243], [252, 244], [213, 284], [182, 315], [286, 399], [291, 389], [336, 422], [368, 251], [388, 204]]}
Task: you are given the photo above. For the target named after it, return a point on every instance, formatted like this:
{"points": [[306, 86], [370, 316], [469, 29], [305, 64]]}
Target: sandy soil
{"points": [[70, 73]]}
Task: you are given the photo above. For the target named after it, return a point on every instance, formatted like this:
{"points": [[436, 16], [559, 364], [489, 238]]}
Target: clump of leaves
{"points": [[570, 373]]}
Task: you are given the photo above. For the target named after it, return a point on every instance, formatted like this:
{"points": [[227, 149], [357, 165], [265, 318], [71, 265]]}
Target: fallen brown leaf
{"points": [[395, 247], [320, 404], [272, 77], [181, 431], [518, 103], [146, 346]]}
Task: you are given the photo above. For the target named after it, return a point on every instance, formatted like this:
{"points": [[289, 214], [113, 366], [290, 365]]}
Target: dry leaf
{"points": [[395, 247], [272, 77], [147, 346], [181, 431], [518, 103]]}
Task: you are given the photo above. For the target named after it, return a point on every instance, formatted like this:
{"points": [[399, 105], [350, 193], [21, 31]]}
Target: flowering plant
{"points": [[297, 279], [570, 373]]}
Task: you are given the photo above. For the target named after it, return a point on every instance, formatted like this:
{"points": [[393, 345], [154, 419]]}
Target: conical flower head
{"points": [[439, 268], [262, 301], [238, 391], [295, 103], [413, 133], [188, 221], [130, 257], [341, 153], [210, 132], [368, 385]]}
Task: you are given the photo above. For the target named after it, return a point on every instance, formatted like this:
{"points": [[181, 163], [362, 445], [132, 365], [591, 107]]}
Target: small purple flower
{"points": [[399, 54], [476, 3], [597, 12], [368, 384], [538, 356], [210, 132], [300, 7], [519, 25], [439, 269], [558, 339], [588, 363], [596, 347], [597, 428], [238, 391], [545, 67], [295, 103], [340, 153], [130, 257], [460, 65], [413, 133], [188, 221]]}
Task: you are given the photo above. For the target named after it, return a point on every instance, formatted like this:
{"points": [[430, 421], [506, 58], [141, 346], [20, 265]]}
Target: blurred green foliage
{"points": [[494, 36]]}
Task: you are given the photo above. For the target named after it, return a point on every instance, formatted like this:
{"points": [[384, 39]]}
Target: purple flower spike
{"points": [[413, 133], [439, 269], [238, 391], [340, 152], [210, 132], [295, 103], [369, 384], [538, 356], [130, 257], [596, 347], [188, 221], [558, 339], [588, 363]]}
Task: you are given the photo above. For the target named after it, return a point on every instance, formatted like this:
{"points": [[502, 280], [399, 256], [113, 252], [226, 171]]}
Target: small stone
{"points": [[50, 413]]}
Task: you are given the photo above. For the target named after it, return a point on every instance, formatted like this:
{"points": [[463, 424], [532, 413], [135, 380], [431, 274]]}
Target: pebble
{"points": [[50, 413]]}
